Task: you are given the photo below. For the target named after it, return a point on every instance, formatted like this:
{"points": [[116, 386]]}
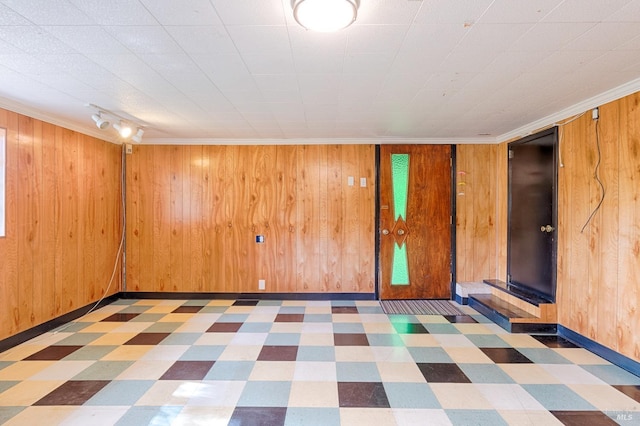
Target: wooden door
{"points": [[415, 222]]}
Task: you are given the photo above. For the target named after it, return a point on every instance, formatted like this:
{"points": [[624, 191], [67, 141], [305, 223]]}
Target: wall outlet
{"points": [[128, 148], [363, 182], [261, 285]]}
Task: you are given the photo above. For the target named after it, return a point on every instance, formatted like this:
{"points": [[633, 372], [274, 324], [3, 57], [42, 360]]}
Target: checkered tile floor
{"points": [[138, 362]]}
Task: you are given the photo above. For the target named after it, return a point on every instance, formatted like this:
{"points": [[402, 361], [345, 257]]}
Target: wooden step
{"points": [[509, 316]]}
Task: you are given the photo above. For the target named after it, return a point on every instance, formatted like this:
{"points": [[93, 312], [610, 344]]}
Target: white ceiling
{"points": [[232, 71]]}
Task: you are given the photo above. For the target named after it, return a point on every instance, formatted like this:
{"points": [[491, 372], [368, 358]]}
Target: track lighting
{"points": [[101, 123], [137, 138], [127, 126]]}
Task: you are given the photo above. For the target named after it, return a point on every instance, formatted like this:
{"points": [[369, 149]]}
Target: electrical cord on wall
{"points": [[596, 177]]}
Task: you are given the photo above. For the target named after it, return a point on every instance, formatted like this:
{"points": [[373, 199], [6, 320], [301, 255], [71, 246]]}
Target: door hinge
{"points": [[450, 276], [510, 154], [450, 162], [450, 220]]}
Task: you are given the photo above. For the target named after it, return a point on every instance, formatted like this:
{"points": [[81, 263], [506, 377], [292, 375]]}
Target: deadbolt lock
{"points": [[547, 228]]}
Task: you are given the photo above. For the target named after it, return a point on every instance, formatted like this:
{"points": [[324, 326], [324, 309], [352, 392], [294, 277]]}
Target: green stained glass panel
{"points": [[400, 182], [400, 267]]}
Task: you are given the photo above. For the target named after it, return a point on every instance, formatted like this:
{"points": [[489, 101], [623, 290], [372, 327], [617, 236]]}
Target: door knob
{"points": [[385, 232], [547, 228], [400, 231]]}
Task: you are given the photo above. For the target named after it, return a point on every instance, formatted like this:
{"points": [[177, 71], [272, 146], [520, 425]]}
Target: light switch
{"points": [[350, 181], [363, 182]]}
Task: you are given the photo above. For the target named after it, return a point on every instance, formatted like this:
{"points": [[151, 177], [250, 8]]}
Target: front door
{"points": [[531, 247], [415, 222]]}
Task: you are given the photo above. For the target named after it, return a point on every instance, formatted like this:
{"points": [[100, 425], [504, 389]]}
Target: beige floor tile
{"points": [[313, 394], [391, 354], [468, 356], [315, 371], [605, 397], [379, 328], [169, 392], [465, 328], [28, 392], [111, 339], [263, 317], [95, 416], [317, 327], [399, 372], [367, 417], [62, 370], [251, 339], [509, 397], [132, 327], [460, 395], [34, 416], [24, 369], [528, 374], [581, 356], [221, 302], [215, 339], [219, 393], [199, 415], [165, 352], [240, 353], [529, 418], [419, 340], [571, 374], [316, 339], [273, 370], [20, 352], [351, 318], [101, 327], [432, 319], [354, 354], [521, 341], [454, 341], [286, 327], [431, 417], [127, 353], [145, 370]]}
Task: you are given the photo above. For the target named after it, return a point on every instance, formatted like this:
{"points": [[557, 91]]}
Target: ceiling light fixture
{"points": [[325, 15], [137, 138], [124, 129], [101, 123], [124, 125]]}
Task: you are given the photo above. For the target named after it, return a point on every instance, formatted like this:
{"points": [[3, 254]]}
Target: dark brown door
{"points": [[415, 222]]}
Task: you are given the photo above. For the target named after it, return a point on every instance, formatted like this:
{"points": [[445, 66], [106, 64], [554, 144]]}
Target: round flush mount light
{"points": [[325, 15]]}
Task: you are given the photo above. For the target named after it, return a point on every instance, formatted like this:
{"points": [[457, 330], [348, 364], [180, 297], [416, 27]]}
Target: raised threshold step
{"points": [[508, 316], [517, 292]]}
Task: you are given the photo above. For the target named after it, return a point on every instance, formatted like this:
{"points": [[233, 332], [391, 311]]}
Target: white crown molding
{"points": [[551, 120], [318, 141], [32, 112]]}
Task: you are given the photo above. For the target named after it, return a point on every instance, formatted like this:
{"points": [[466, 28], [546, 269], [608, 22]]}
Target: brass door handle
{"points": [[547, 228]]}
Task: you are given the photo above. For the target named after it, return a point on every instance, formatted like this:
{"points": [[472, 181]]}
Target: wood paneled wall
{"points": [[193, 213], [480, 223], [63, 222], [598, 268]]}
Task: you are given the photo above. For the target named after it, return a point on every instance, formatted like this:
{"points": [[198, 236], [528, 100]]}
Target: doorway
{"points": [[532, 220], [415, 222]]}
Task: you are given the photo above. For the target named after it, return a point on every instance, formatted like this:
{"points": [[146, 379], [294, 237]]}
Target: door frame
{"points": [[553, 132], [453, 204]]}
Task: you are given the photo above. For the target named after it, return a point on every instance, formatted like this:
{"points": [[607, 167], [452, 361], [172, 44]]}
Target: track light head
{"points": [[124, 129], [101, 123], [137, 138]]}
